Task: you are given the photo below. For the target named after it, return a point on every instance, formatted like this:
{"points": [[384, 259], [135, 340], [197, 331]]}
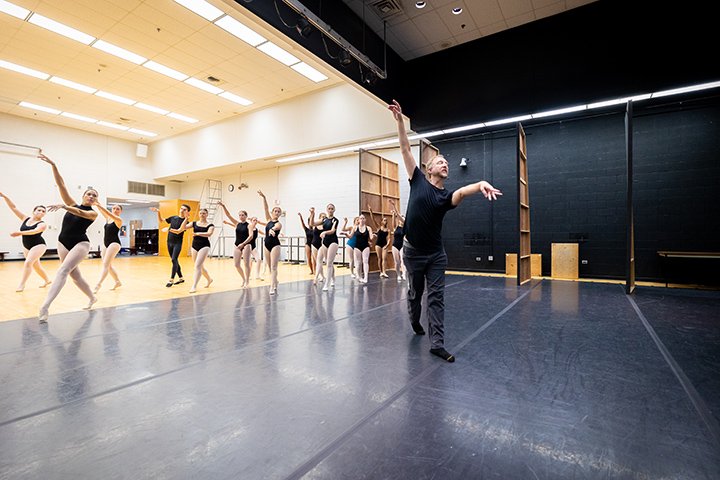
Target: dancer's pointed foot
{"points": [[47, 282], [20, 289], [97, 288], [210, 280], [43, 317], [92, 302]]}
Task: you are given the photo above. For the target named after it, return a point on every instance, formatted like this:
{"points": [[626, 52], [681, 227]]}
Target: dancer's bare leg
{"points": [[108, 255], [70, 260], [32, 261]]}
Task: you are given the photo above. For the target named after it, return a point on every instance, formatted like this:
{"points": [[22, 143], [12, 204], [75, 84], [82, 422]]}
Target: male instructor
{"points": [[423, 251]]}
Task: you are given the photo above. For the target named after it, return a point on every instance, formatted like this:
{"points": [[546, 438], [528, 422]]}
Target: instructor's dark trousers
{"points": [[427, 268]]}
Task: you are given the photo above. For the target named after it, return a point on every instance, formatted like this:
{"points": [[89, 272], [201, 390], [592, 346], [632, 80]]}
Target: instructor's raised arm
{"points": [[408, 158]]}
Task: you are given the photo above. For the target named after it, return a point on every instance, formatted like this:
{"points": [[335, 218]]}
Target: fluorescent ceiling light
{"points": [[239, 30], [559, 111], [177, 116], [119, 52], [306, 70], [142, 132], [39, 107], [151, 108], [71, 84], [508, 120], [299, 157], [389, 141], [692, 88], [465, 128], [202, 8], [203, 85], [24, 70], [79, 117], [278, 53], [14, 10], [64, 30], [113, 125], [114, 98], [165, 70], [235, 98], [607, 103], [427, 135]]}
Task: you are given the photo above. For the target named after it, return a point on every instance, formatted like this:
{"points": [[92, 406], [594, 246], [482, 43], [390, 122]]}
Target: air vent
{"points": [[146, 188], [386, 8]]}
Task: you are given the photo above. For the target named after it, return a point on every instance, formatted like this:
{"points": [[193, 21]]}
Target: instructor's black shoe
{"points": [[444, 354], [417, 328], [179, 281], [169, 284]]}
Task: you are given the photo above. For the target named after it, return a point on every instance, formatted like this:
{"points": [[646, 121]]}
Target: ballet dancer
{"points": [[272, 241], [202, 231], [174, 240], [308, 243], [381, 241], [350, 243], [397, 244], [111, 241], [329, 246], [245, 236], [363, 234], [33, 242], [424, 255], [73, 243]]}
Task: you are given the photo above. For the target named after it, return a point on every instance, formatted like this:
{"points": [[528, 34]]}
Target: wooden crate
{"points": [[565, 261]]}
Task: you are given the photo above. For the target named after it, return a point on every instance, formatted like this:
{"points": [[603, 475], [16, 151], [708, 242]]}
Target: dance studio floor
{"points": [[553, 380]]}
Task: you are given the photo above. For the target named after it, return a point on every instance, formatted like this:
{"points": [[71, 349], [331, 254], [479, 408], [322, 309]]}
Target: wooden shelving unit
{"points": [[378, 185], [524, 270]]}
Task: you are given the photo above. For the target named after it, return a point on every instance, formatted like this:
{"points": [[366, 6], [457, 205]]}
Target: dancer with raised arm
{"points": [[381, 241], [424, 255], [111, 242], [33, 243], [202, 231], [329, 246], [245, 237], [73, 243], [350, 243], [317, 244], [174, 240], [397, 244], [272, 241], [308, 243]]}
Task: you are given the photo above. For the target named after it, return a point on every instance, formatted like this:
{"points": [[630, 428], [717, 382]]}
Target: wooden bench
{"points": [[665, 254], [2, 255]]}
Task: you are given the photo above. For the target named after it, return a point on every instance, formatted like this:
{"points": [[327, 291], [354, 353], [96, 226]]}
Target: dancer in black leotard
{"points": [[362, 234], [73, 243], [397, 243], [382, 232], [34, 246], [350, 243], [174, 241], [316, 244], [308, 243], [111, 242], [329, 246], [202, 231], [245, 237], [272, 241]]}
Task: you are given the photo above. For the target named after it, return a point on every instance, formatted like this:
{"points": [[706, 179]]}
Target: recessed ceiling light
{"points": [[24, 70], [14, 10], [202, 8], [157, 67], [82, 118], [64, 30], [183, 118], [119, 52], [54, 111], [203, 86], [457, 11], [114, 98], [142, 132], [235, 98], [239, 30], [151, 108], [71, 84], [278, 53], [306, 70], [420, 4], [113, 125]]}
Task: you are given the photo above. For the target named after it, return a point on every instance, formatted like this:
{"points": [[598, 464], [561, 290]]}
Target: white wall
{"points": [[83, 158], [337, 115]]}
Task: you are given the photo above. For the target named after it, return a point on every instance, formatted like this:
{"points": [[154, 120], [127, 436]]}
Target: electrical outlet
{"points": [[490, 258], [584, 262], [478, 259]]}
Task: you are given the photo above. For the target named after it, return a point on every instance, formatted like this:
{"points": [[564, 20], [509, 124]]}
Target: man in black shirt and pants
{"points": [[423, 252]]}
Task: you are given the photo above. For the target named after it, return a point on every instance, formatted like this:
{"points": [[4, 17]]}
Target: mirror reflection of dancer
{"points": [[245, 236], [350, 243], [73, 243], [272, 241], [382, 232], [329, 246], [202, 231], [34, 245], [363, 234], [398, 236], [111, 241], [174, 241], [308, 243], [425, 258], [316, 244]]}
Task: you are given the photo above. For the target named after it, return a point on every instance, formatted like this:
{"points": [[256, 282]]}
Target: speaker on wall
{"points": [[141, 150]]}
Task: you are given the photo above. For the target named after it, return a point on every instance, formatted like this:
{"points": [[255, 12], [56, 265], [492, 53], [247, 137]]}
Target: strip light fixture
{"points": [[475, 126]]}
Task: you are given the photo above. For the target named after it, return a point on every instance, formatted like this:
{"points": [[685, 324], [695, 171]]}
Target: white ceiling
{"points": [[414, 32], [160, 30]]}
